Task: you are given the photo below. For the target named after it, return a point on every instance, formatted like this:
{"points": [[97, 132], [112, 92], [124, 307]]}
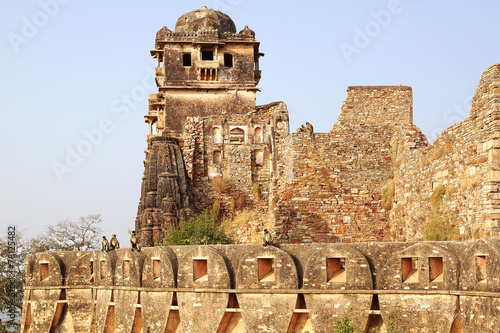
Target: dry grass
{"points": [[437, 196], [256, 191], [388, 195], [221, 184], [441, 148], [216, 210], [242, 218], [440, 225], [468, 182]]}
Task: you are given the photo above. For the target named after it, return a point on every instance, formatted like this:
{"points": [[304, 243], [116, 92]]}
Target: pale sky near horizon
{"points": [[74, 77]]}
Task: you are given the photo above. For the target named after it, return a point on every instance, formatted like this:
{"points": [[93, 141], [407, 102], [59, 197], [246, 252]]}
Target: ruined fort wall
{"points": [[462, 161], [381, 105], [330, 186], [428, 286], [229, 156]]}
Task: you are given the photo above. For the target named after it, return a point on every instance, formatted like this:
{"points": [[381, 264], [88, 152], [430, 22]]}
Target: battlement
{"points": [[437, 286]]}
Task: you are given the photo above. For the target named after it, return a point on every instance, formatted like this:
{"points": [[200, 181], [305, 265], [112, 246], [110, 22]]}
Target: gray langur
{"points": [[267, 239], [113, 242], [133, 242], [104, 244]]}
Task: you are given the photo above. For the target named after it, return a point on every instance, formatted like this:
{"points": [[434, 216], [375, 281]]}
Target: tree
{"points": [[66, 235], [82, 235], [201, 229]]}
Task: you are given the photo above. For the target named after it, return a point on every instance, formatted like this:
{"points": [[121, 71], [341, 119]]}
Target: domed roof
{"points": [[205, 19]]}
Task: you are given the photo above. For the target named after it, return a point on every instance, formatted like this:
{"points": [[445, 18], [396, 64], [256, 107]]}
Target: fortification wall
{"points": [[329, 185], [462, 164], [430, 287]]}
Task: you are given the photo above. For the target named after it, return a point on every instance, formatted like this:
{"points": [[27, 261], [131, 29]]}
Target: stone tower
{"points": [[204, 67]]}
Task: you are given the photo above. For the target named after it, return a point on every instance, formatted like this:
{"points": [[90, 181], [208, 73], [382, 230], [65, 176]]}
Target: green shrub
{"points": [[439, 228], [391, 326], [345, 325], [200, 229]]}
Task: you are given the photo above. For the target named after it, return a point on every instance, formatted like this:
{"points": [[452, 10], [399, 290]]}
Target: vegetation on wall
{"points": [[439, 226], [200, 229], [388, 195]]}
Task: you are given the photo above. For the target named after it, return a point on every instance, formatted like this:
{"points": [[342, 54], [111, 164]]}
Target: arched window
{"points": [[216, 135], [258, 135], [237, 135]]}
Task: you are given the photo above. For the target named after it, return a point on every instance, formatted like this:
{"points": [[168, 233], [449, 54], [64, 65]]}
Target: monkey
{"points": [[267, 239], [133, 242], [113, 243], [309, 128], [104, 244]]}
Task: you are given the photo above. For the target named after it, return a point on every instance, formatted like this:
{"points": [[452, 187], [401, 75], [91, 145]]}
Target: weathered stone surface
{"points": [[267, 312], [155, 310], [202, 267], [422, 313], [257, 288], [326, 310]]}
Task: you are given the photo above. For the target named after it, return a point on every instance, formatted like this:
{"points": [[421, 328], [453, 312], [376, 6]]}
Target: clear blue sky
{"points": [[67, 65]]}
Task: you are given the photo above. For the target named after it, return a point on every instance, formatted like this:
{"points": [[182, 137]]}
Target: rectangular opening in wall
{"points": [[228, 60], [217, 158], [126, 269], [265, 269], [259, 157], [91, 271], [481, 269], [156, 269], [44, 271], [102, 270], [335, 270], [409, 267], [207, 55], [200, 269], [186, 59], [436, 269]]}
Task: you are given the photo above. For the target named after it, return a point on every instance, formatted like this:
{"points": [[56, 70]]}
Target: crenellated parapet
{"points": [[434, 286]]}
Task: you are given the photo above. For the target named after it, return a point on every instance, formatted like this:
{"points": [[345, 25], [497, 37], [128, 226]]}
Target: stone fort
{"points": [[349, 210]]}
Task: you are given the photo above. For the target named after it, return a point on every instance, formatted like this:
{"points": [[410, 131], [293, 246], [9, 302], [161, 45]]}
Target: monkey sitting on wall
{"points": [[104, 244], [267, 239], [113, 243], [133, 242]]}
